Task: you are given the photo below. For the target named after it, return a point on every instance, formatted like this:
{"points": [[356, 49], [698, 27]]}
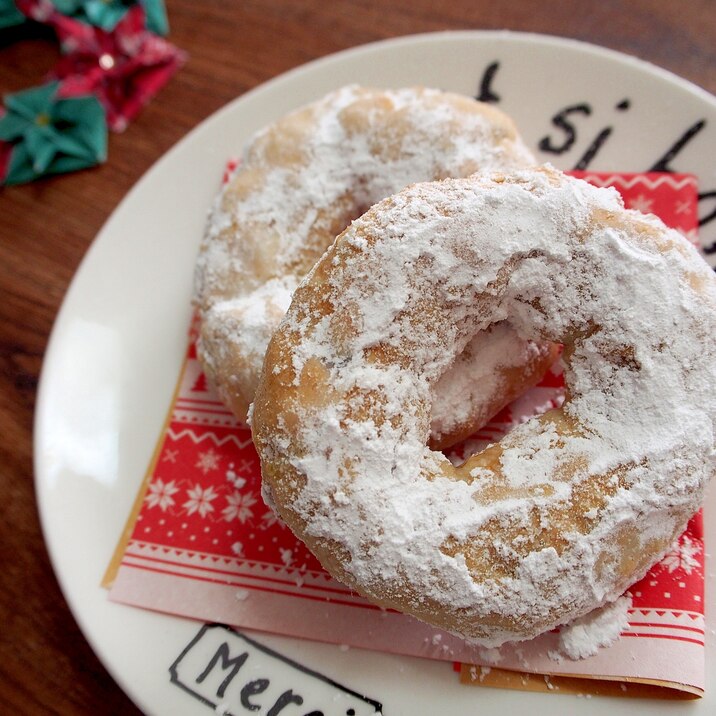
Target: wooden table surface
{"points": [[46, 666]]}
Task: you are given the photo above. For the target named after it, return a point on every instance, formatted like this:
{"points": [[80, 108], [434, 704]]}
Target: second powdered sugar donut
{"points": [[301, 181]]}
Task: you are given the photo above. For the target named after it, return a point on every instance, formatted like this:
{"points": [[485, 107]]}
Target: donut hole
{"points": [[528, 383]]}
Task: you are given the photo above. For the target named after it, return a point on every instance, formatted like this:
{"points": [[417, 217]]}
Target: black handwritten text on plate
{"points": [[235, 675], [565, 131]]}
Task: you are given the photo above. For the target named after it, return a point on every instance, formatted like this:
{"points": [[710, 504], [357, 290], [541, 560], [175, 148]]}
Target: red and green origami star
{"points": [[113, 62]]}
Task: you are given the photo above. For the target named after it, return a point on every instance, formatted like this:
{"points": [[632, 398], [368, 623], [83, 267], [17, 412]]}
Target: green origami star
{"points": [[9, 14], [107, 13], [50, 135]]}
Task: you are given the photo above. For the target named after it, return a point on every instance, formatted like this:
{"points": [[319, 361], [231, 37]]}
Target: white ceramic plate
{"points": [[119, 339]]}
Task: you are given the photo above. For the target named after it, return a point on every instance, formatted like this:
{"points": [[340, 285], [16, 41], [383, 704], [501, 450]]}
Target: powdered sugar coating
{"points": [[300, 183], [568, 509], [586, 635]]}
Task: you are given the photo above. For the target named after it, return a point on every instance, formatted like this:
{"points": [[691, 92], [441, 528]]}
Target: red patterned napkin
{"points": [[201, 543]]}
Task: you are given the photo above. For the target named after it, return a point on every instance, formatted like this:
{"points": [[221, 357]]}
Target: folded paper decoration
{"points": [[107, 13], [46, 134], [113, 63], [10, 15], [124, 68]]}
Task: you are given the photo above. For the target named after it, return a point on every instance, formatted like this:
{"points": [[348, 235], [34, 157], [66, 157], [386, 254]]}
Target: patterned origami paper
{"points": [[9, 14], [49, 135], [124, 68], [107, 13]]}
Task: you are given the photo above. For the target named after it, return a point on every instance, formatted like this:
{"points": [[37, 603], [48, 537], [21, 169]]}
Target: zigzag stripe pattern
{"points": [[140, 549], [630, 182], [196, 439]]}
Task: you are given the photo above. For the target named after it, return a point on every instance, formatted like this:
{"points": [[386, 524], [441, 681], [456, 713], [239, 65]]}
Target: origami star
{"points": [[49, 135], [124, 68], [107, 13], [9, 14]]}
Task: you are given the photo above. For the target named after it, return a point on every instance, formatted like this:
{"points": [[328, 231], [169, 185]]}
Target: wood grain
{"points": [[46, 666]]}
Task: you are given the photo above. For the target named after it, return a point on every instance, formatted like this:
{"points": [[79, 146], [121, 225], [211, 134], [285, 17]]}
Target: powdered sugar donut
{"points": [[567, 510], [301, 182]]}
